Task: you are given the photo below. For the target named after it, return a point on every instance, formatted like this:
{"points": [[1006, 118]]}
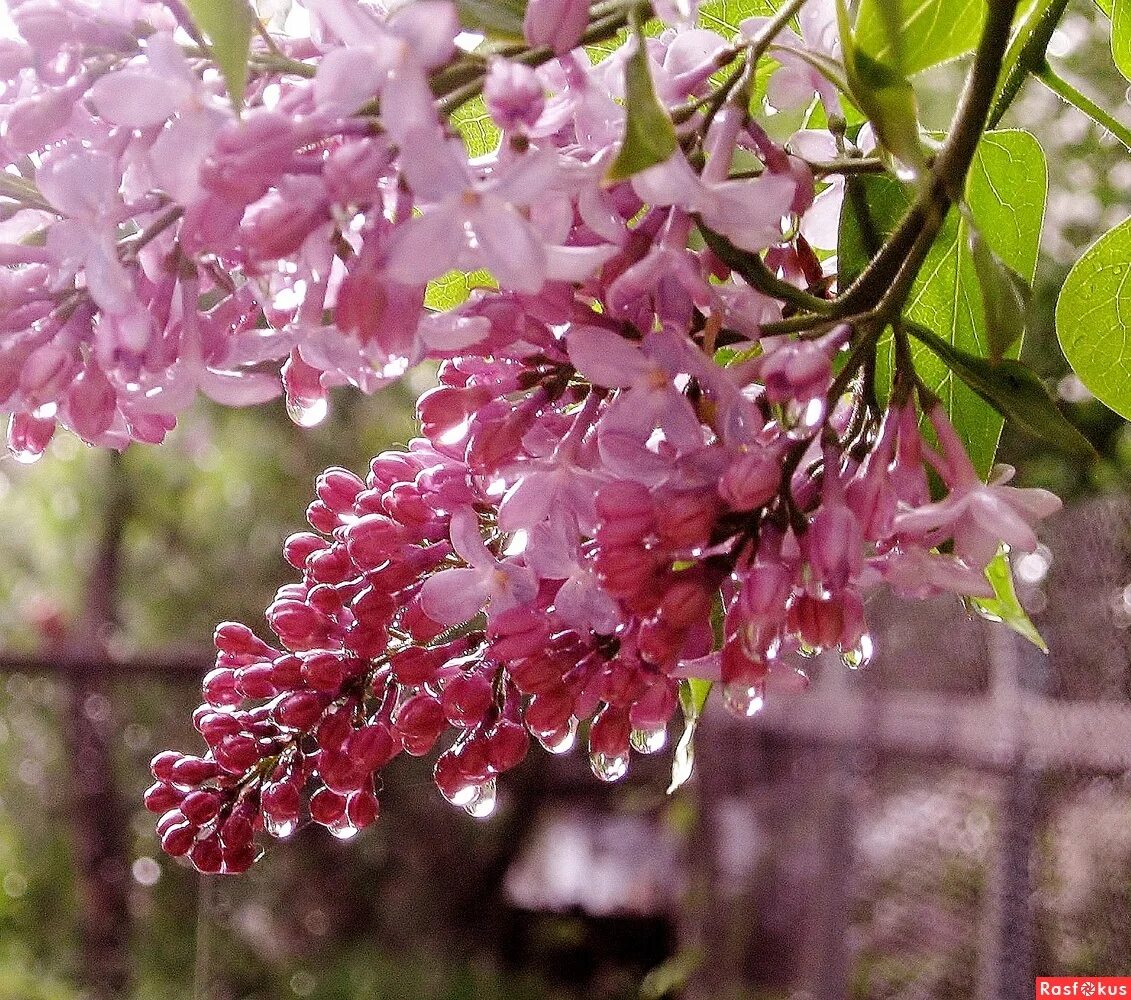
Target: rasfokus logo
{"points": [[1083, 986]]}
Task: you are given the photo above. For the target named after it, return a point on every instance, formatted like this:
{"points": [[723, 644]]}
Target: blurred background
{"points": [[940, 825]]}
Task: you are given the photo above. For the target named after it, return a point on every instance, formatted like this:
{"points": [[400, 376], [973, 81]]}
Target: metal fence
{"points": [[951, 823]]}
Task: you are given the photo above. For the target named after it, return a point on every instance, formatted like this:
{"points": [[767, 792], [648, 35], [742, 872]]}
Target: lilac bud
{"points": [[513, 94]]}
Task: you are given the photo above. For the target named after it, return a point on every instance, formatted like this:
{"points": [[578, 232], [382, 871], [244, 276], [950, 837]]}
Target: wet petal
{"points": [[453, 596]]}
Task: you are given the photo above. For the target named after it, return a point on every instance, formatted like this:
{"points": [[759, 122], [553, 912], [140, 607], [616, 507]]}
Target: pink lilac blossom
{"points": [[601, 505]]}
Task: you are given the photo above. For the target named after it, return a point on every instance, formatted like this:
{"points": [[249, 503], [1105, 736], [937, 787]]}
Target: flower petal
{"points": [[453, 596], [605, 358], [137, 97]]}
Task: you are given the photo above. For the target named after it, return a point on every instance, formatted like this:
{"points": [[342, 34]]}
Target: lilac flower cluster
{"points": [[634, 469], [554, 551]]}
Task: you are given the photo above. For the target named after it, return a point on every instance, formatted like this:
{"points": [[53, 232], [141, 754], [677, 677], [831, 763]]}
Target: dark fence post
{"points": [[98, 816]]}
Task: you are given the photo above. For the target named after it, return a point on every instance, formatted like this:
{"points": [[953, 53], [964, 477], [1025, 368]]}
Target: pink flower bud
{"points": [[466, 699], [555, 24], [507, 745], [513, 94], [834, 546], [685, 520], [609, 732], [751, 480]]}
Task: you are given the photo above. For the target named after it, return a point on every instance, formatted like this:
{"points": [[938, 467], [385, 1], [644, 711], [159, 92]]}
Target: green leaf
{"points": [[929, 31], [476, 127], [649, 133], [499, 20], [1093, 318], [882, 91], [724, 16], [1005, 193], [453, 289], [1121, 36], [692, 697], [1013, 389], [228, 26], [1004, 607], [1005, 296]]}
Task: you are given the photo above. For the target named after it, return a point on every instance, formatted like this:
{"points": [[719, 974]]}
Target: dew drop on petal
{"points": [[279, 828], [22, 446], [860, 656], [648, 740], [307, 412], [804, 649], [744, 700], [344, 829], [802, 417], [561, 741], [484, 802], [461, 796], [609, 766]]}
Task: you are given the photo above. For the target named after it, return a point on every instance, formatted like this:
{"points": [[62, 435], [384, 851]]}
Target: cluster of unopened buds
{"points": [[626, 477]]}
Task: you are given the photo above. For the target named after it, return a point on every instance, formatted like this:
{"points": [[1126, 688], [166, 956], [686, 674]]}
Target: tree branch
{"points": [[908, 245]]}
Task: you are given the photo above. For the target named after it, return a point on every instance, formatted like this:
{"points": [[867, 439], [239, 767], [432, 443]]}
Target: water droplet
{"points": [[279, 828], [24, 447], [609, 766], [307, 412], [905, 172], [802, 417], [804, 649], [343, 829], [861, 656], [462, 796], [744, 700], [561, 741], [25, 456], [484, 802], [648, 740]]}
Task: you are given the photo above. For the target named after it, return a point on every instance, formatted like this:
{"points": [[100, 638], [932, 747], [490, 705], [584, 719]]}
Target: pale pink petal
{"points": [[995, 516], [582, 604], [429, 27], [605, 358], [346, 79], [690, 49], [551, 550], [137, 97], [1032, 503], [453, 596], [511, 585], [107, 279], [407, 103], [626, 456], [707, 668], [509, 248], [239, 388], [448, 332], [180, 149], [821, 224], [576, 264], [814, 144], [672, 182], [749, 213], [80, 183], [348, 20], [528, 501], [526, 178], [426, 247], [467, 540], [433, 166]]}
